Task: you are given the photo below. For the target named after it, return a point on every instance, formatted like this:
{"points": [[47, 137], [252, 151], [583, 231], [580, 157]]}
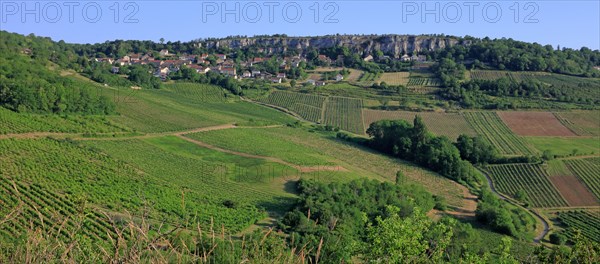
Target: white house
{"points": [[164, 52], [368, 58], [405, 58], [339, 77]]}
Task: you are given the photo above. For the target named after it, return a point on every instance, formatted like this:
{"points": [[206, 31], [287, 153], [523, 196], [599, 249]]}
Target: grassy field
{"points": [[165, 110], [583, 123], [566, 146], [529, 178], [441, 124], [491, 127]]}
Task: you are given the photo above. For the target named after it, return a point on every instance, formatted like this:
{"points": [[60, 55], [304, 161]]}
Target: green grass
{"points": [[255, 141], [530, 178], [491, 127], [164, 110], [565, 146]]}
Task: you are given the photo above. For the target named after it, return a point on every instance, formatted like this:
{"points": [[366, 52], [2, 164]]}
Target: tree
{"points": [[162, 40], [293, 83]]}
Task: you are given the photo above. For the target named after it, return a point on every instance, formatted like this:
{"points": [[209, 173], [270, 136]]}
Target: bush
{"points": [[558, 239]]}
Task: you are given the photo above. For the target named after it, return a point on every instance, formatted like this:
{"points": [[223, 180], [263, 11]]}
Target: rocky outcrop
{"points": [[394, 45]]}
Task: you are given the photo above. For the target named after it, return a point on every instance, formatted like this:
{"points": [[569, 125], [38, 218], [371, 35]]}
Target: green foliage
{"points": [[504, 218], [339, 212], [581, 222], [476, 150], [414, 143]]}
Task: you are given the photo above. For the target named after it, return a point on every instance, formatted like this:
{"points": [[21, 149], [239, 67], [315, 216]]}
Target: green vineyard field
{"points": [[491, 127], [587, 222], [530, 178], [308, 106], [345, 113]]}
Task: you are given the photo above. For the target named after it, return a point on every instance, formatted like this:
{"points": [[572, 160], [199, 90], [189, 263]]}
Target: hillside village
{"points": [[168, 63]]}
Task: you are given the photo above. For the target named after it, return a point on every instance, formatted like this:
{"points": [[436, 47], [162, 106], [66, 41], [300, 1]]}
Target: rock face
{"points": [[393, 45]]}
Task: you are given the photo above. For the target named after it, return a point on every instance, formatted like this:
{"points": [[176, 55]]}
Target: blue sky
{"points": [[567, 23]]}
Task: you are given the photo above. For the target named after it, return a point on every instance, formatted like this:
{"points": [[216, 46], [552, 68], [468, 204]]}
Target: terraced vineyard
{"points": [[530, 178], [587, 222], [308, 106], [345, 113], [494, 75], [491, 127], [588, 170], [198, 92]]}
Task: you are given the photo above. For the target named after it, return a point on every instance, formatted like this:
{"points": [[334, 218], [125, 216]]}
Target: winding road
{"points": [[540, 219]]}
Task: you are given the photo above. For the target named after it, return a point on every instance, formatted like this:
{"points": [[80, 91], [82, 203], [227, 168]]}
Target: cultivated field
{"points": [[126, 175], [345, 113], [584, 123], [529, 178], [395, 78], [308, 106], [441, 124], [491, 127], [164, 110], [12, 122], [494, 75], [422, 82], [587, 222], [299, 146], [588, 170], [534, 124], [198, 92]]}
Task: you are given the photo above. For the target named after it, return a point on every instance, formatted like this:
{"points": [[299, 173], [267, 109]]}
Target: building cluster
{"points": [[173, 63]]}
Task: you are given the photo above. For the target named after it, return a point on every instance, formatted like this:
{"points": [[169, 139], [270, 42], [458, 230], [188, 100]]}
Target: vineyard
{"points": [[582, 123], [488, 75], [441, 124], [588, 170], [49, 211], [52, 175], [529, 178], [419, 81], [198, 92], [345, 113], [162, 111], [494, 75], [369, 77], [395, 78], [491, 127], [308, 106], [23, 123], [587, 222]]}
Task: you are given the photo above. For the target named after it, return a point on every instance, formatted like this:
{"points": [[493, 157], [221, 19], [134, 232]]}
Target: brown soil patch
{"points": [[535, 124], [574, 191]]}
